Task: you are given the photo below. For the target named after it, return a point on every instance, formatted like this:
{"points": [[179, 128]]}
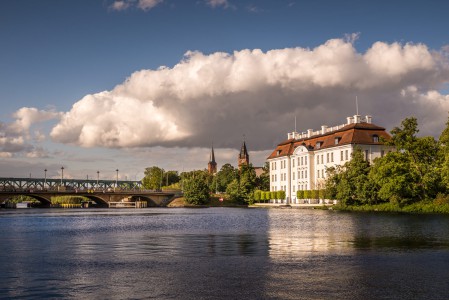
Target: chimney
{"points": [[309, 132], [356, 119], [369, 119], [323, 129], [348, 120]]}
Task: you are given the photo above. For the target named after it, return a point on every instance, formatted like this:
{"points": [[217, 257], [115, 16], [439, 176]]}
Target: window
{"points": [[346, 154], [322, 158], [298, 161], [318, 145], [327, 158], [298, 175], [317, 159], [337, 140], [293, 176], [322, 173], [294, 189], [318, 174], [375, 138], [275, 177], [341, 155], [279, 152], [382, 153], [302, 174], [366, 154], [305, 160], [305, 174], [332, 156], [302, 162]]}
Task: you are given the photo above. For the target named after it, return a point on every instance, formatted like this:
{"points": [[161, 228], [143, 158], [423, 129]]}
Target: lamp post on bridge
{"points": [[45, 178], [62, 174], [98, 177], [116, 179]]}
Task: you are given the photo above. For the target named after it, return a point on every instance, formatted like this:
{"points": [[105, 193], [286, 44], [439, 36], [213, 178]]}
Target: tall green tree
{"points": [[241, 189], [225, 176], [196, 190], [351, 182], [423, 156], [153, 178]]}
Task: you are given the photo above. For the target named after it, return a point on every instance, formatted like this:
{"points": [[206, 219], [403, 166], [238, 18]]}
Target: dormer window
{"points": [[337, 140], [279, 152], [375, 138], [318, 145]]}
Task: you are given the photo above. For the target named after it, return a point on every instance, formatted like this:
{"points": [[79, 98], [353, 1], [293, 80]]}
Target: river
{"points": [[222, 253]]}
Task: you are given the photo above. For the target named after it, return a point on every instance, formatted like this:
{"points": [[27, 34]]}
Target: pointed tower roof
{"points": [[243, 151], [212, 155]]}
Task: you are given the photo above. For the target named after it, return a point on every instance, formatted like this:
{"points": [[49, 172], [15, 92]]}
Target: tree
{"points": [[394, 178], [423, 156], [263, 181], [242, 187], [153, 178], [351, 180], [225, 176], [196, 190]]}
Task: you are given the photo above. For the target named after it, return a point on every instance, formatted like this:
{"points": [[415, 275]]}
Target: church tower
{"points": [[243, 155], [212, 165]]}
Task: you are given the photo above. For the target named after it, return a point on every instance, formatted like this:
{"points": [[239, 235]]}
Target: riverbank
{"points": [[213, 202], [415, 208]]}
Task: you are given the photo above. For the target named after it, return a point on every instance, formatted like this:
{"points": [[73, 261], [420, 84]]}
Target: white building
{"points": [[300, 162]]}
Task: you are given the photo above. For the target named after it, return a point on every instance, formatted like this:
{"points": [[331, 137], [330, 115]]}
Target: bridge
{"points": [[102, 192]]}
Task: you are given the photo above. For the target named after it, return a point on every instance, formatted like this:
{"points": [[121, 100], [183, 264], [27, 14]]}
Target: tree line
{"points": [[416, 170], [239, 185]]}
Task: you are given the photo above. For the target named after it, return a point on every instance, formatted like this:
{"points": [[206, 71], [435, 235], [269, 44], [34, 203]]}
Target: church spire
{"points": [[212, 165], [243, 155]]}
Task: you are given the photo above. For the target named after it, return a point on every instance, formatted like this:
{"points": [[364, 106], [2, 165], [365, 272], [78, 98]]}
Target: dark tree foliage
{"points": [[263, 181], [224, 177], [196, 189], [241, 189]]}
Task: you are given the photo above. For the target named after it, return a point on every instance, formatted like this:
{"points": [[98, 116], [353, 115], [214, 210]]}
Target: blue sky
{"points": [[55, 53]]}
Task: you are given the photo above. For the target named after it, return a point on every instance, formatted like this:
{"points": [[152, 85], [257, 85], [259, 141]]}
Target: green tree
{"points": [[394, 178], [153, 178], [423, 156], [225, 176], [263, 181], [241, 189], [196, 190], [352, 179]]}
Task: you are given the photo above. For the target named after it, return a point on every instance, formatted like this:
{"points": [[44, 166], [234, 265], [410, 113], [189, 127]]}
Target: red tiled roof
{"points": [[359, 133]]}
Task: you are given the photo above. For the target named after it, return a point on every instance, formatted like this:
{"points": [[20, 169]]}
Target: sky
{"points": [[100, 85]]}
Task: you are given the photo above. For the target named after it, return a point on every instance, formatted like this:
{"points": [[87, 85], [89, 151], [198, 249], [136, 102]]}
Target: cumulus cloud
{"points": [[15, 137], [221, 96]]}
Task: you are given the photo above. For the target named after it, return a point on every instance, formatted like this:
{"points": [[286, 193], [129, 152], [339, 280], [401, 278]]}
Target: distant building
{"points": [[212, 165], [300, 162], [243, 156]]}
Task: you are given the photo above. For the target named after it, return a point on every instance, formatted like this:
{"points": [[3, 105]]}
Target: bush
{"points": [[257, 195], [307, 194], [273, 195], [300, 194], [280, 195], [315, 194]]}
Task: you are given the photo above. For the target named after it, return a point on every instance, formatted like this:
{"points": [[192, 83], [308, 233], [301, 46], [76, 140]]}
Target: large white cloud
{"points": [[219, 97]]}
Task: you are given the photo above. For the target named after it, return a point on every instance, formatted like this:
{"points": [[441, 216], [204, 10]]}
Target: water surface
{"points": [[222, 253]]}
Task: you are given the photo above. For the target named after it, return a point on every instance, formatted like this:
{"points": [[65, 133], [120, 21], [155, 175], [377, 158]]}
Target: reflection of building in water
{"points": [[297, 233], [300, 162]]}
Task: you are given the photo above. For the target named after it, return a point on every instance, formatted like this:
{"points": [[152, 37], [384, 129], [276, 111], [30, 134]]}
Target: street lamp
{"points": [[116, 179], [62, 174], [98, 177], [45, 178]]}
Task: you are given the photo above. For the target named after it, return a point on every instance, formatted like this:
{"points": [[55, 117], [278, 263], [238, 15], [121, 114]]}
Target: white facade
{"points": [[301, 162]]}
